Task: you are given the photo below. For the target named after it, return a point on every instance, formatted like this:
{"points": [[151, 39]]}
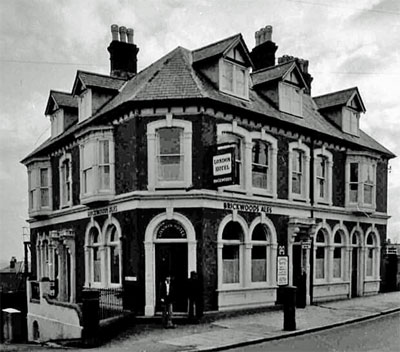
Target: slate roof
{"points": [[62, 99], [216, 49], [272, 73], [90, 79], [173, 78], [336, 98], [19, 266]]}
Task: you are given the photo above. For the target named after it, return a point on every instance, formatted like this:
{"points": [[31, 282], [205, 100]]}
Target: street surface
{"points": [[380, 334]]}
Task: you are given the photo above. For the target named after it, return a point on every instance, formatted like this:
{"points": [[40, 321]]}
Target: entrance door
{"points": [[172, 260], [354, 272], [299, 275]]}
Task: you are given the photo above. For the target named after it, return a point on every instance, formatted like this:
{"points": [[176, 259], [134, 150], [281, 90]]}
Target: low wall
{"points": [[246, 298], [49, 319], [331, 291]]}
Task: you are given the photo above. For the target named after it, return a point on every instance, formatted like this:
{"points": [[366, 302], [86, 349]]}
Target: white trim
{"points": [[152, 165], [65, 157], [234, 92], [376, 246], [88, 255], [327, 266], [328, 177], [149, 245], [305, 195]]}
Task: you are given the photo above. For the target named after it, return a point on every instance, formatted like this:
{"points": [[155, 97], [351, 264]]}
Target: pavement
{"points": [[243, 330]]}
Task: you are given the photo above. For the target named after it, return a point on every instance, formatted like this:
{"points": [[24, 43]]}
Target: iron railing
{"points": [[110, 302]]}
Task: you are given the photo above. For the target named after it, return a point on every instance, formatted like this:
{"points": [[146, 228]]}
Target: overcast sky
{"points": [[44, 42]]}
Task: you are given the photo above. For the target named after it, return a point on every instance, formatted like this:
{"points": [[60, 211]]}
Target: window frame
{"points": [[152, 163], [341, 246], [92, 139], [373, 248], [327, 155], [325, 246], [85, 105], [35, 188], [305, 194], [223, 62], [117, 245], [286, 103], [63, 182]]}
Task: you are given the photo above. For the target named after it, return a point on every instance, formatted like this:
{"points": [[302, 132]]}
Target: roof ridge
{"points": [[217, 42], [275, 66], [336, 92], [100, 75], [59, 91]]}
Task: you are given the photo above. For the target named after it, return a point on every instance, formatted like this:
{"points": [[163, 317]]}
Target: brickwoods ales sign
{"points": [[248, 207]]}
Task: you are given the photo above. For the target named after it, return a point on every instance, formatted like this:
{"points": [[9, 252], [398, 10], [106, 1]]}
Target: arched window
{"points": [[232, 238], [259, 253], [338, 254], [114, 255], [95, 256], [320, 255], [371, 253]]}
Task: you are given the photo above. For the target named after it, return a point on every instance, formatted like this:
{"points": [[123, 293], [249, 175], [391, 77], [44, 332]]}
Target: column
{"points": [[308, 271], [247, 265], [149, 279], [247, 169], [272, 271], [329, 260]]}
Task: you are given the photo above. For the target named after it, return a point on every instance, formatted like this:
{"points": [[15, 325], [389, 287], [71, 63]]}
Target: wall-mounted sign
{"points": [[248, 207], [281, 250], [306, 244], [102, 211], [223, 170], [171, 229], [282, 270]]}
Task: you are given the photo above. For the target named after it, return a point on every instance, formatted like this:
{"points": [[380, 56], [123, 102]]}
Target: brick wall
{"points": [[76, 185], [55, 179], [381, 186], [338, 178]]}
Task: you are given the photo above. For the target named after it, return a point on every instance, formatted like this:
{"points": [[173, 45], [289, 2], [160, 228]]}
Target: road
{"points": [[380, 334]]}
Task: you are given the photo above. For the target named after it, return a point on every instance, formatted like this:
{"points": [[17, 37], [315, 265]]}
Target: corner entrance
{"points": [[171, 260]]}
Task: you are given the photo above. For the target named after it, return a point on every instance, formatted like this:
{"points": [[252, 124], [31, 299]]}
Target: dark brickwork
{"points": [[55, 179], [283, 168], [338, 178], [381, 186]]}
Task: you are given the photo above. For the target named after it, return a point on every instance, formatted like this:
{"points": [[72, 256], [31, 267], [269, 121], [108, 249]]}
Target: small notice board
{"points": [[282, 270]]}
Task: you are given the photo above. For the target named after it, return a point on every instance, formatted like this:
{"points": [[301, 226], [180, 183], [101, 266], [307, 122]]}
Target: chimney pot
{"points": [[122, 34], [114, 32], [268, 33], [129, 33]]}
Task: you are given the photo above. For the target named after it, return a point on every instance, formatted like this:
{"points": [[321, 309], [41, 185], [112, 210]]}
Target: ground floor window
{"points": [[232, 238]]}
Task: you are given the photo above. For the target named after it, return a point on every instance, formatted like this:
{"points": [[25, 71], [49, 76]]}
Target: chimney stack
{"points": [[13, 261], [303, 66], [123, 52], [263, 54]]}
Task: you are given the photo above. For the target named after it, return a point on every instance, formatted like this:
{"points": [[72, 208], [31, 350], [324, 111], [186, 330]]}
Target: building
{"points": [[217, 160], [12, 276]]}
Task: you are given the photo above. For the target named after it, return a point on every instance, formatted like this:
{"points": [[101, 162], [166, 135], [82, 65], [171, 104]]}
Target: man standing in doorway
{"points": [[167, 296]]}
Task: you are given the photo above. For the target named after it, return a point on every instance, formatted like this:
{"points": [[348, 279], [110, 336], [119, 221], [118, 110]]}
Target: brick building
{"points": [[217, 160]]}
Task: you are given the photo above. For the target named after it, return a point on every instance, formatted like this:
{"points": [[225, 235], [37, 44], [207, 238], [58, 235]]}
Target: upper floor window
{"points": [[97, 166], [39, 184], [361, 182], [290, 99], [65, 181], [237, 142], [57, 123], [323, 162], [350, 122], [260, 164], [169, 152], [299, 159], [85, 105], [234, 78]]}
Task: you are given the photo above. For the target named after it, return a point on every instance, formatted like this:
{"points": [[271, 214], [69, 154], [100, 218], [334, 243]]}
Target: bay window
{"points": [[361, 182], [97, 166], [65, 181], [39, 187], [169, 153]]}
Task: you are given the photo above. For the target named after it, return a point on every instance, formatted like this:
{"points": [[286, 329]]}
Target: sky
{"points": [[44, 42]]}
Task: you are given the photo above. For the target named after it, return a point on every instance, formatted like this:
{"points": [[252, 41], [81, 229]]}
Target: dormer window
{"points": [[234, 75], [57, 123], [85, 105], [350, 121], [290, 99]]}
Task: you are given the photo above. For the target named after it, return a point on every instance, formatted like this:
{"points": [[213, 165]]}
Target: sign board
{"points": [[248, 207], [102, 211], [282, 270], [170, 229], [223, 170]]}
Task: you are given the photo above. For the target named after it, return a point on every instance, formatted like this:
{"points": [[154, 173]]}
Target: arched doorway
{"points": [[170, 248]]}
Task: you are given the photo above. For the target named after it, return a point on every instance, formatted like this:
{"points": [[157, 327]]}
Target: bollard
{"points": [[90, 317], [289, 308]]}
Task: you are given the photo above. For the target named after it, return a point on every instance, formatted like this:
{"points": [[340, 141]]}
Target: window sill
{"points": [[249, 288], [39, 212], [299, 199], [104, 196], [263, 193], [360, 208]]}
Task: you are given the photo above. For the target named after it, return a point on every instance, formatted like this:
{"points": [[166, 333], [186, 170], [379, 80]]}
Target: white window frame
{"points": [[240, 243], [304, 196], [350, 121], [327, 155], [85, 103], [288, 103], [117, 245], [363, 162], [235, 66], [92, 139], [63, 181], [57, 123], [272, 143], [35, 188], [325, 245], [342, 247], [89, 257], [152, 163], [375, 248]]}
